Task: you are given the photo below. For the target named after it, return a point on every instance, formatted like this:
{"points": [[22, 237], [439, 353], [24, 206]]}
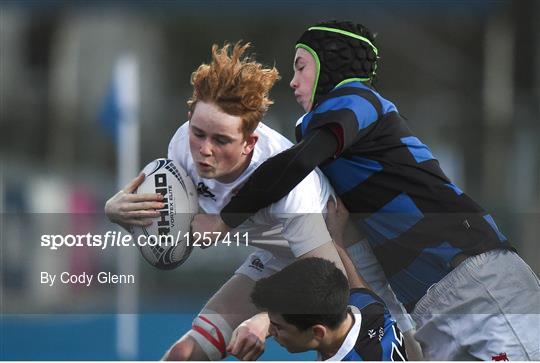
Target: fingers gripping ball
{"points": [[164, 244]]}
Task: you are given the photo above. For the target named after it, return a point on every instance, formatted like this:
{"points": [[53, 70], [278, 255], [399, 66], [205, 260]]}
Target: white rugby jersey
{"points": [[289, 228]]}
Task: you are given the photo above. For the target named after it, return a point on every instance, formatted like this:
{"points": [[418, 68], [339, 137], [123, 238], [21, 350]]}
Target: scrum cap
{"points": [[343, 52]]}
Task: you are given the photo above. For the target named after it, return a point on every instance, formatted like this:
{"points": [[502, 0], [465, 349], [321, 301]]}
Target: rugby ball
{"points": [[164, 244]]}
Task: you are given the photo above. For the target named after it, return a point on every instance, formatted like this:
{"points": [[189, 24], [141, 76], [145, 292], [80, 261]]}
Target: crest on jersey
{"points": [[204, 191]]}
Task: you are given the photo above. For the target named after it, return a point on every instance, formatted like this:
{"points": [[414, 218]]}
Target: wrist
{"points": [[338, 239], [222, 226], [262, 321], [263, 317]]}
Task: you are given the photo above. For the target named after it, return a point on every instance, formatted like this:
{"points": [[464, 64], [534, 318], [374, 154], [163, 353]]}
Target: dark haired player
{"points": [[470, 294], [315, 310]]}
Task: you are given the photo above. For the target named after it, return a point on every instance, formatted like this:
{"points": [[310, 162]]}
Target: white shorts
{"points": [[487, 308], [261, 264]]}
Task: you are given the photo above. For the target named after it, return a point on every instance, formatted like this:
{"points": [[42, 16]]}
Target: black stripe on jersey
{"points": [[399, 354], [383, 135], [364, 93], [385, 138], [420, 183], [345, 118], [298, 132], [448, 217], [366, 291], [382, 187], [398, 253], [466, 231], [368, 345], [401, 173], [371, 195]]}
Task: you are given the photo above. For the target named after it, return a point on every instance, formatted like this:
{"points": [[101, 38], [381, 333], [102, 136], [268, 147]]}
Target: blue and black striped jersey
{"points": [[414, 217], [374, 336]]}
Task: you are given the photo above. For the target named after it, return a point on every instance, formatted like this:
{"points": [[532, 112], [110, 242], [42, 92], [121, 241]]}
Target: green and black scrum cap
{"points": [[343, 52]]}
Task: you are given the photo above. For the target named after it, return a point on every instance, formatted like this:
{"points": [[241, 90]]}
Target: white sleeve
{"points": [[179, 146], [305, 232], [309, 196], [300, 212]]}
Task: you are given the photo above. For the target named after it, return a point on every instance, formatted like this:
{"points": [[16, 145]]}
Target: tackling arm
{"points": [[278, 175]]}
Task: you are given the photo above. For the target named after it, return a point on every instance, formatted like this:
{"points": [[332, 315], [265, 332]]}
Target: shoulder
{"points": [[270, 143], [179, 146], [347, 96], [362, 297], [355, 96], [180, 134], [349, 107]]}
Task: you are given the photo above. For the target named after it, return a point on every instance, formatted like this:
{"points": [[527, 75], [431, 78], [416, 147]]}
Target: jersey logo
{"points": [[372, 333], [203, 190], [500, 357], [257, 264]]}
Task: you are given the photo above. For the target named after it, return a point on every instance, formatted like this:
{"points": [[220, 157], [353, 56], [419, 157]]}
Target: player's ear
{"points": [[319, 332], [189, 115], [250, 142]]}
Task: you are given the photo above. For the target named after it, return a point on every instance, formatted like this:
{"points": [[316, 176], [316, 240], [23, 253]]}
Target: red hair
{"points": [[238, 85]]}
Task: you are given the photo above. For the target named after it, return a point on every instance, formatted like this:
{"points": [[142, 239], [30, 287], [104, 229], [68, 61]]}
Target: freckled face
{"points": [[217, 145], [305, 72]]}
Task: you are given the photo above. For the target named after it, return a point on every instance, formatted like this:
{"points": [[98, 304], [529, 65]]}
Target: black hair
{"points": [[307, 292]]}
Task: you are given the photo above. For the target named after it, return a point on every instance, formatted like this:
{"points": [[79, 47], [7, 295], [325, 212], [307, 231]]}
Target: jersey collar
{"points": [[351, 338]]}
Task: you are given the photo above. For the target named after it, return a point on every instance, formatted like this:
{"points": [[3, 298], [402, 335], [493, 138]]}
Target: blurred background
{"points": [[466, 75]]}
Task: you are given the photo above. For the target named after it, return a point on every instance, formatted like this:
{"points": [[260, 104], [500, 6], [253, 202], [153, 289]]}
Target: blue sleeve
{"points": [[362, 297]]}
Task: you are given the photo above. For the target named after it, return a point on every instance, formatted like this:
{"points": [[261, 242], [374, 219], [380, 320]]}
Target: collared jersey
{"points": [[374, 336], [288, 228], [414, 217]]}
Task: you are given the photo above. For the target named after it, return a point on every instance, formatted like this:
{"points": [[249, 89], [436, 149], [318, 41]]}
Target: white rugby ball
{"points": [[181, 204]]}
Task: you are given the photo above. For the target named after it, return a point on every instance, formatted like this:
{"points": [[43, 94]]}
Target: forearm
{"points": [[363, 256], [412, 347], [355, 280], [342, 232], [278, 175], [328, 252]]}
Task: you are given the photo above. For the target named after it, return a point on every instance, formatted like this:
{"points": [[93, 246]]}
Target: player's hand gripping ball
{"points": [[164, 243]]}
